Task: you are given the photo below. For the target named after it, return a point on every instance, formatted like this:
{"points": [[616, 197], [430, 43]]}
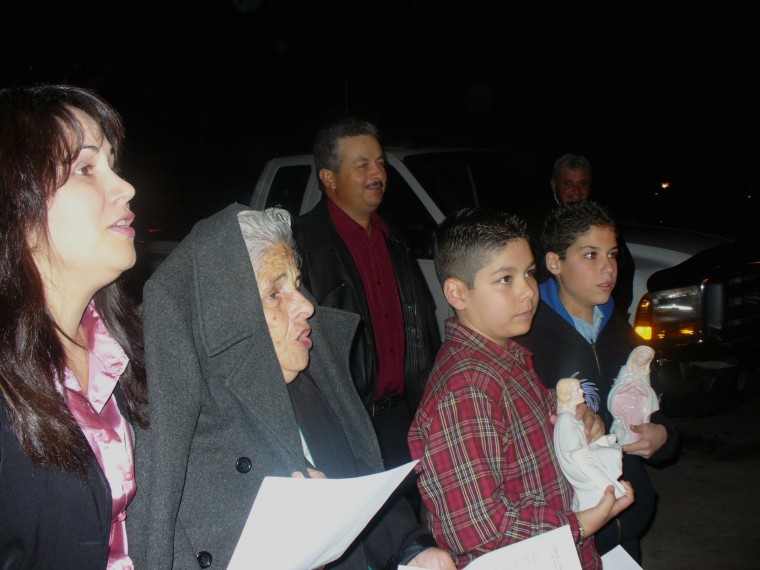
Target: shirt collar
{"points": [[459, 334], [588, 330], [107, 361], [549, 292], [344, 223]]}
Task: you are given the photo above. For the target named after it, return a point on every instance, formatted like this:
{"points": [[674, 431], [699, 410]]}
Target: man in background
{"points": [[571, 182], [571, 178]]}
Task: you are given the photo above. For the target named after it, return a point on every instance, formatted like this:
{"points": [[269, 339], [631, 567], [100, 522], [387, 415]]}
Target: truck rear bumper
{"points": [[719, 380]]}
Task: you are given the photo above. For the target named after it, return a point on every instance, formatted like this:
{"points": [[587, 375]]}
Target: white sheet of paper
{"points": [[553, 549], [619, 559], [300, 524]]}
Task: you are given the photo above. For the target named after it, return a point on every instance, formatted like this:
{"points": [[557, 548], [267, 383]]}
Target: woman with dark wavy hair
{"points": [[71, 364]]}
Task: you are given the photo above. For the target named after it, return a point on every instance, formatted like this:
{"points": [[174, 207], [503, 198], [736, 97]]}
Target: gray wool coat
{"points": [[221, 418]]}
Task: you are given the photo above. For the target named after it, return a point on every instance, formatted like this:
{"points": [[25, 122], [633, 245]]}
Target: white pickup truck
{"points": [[696, 297]]}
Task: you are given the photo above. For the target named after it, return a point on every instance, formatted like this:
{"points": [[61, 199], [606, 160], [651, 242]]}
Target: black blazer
{"points": [[49, 518]]}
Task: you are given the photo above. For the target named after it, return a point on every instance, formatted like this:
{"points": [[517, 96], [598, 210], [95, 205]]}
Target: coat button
{"points": [[243, 465], [204, 559]]}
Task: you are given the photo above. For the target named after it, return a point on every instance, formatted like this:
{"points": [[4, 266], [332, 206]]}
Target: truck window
{"points": [[459, 179], [403, 208], [288, 187], [450, 184]]}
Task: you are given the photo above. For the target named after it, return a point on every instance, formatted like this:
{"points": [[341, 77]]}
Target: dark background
{"points": [[209, 91]]}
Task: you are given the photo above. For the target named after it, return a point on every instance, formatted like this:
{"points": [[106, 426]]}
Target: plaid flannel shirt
{"points": [[488, 473]]}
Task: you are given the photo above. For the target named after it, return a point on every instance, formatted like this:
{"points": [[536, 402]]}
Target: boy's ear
{"points": [[455, 291], [552, 263]]}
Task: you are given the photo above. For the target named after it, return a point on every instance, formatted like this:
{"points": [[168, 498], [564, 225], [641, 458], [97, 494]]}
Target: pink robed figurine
{"points": [[632, 399]]}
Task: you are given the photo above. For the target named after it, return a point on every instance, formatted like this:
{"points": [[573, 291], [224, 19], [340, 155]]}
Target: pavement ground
{"points": [[708, 513]]}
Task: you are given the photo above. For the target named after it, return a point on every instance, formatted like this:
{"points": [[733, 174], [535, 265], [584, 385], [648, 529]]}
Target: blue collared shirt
{"points": [[588, 330]]}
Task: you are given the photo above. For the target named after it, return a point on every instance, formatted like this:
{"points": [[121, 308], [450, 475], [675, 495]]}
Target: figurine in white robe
{"points": [[589, 468], [632, 399]]}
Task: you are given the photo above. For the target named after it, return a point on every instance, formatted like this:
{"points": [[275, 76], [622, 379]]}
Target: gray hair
{"points": [[573, 162], [264, 229]]}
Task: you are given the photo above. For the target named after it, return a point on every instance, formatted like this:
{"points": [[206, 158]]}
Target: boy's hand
{"points": [[651, 438], [608, 508], [433, 559], [593, 426], [621, 504]]}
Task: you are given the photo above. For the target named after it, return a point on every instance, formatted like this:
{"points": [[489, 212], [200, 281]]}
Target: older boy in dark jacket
{"points": [[577, 333]]}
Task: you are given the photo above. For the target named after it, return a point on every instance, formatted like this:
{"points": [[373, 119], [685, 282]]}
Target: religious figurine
{"points": [[589, 468], [632, 399]]}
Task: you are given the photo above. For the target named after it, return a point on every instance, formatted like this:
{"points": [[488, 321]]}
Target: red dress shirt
{"points": [[370, 254]]}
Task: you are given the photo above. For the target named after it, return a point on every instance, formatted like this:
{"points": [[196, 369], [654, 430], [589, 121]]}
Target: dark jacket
{"points": [[330, 274], [51, 519], [221, 417], [561, 352]]}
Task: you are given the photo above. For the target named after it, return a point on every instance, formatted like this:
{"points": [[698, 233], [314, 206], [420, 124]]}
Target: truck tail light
{"points": [[671, 315]]}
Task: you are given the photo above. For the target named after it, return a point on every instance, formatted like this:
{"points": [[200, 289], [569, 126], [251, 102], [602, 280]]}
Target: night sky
{"points": [[209, 92]]}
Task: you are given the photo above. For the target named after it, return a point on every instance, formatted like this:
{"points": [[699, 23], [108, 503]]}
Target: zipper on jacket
{"points": [[607, 418], [333, 292]]}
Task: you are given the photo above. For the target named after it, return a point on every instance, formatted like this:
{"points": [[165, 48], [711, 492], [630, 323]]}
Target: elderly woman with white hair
{"points": [[231, 404]]}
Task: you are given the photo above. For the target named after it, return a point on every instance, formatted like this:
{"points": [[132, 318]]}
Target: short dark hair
{"points": [[572, 161], [567, 222], [326, 141], [465, 241]]}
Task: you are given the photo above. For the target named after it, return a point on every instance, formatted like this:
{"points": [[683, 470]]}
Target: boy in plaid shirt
{"points": [[488, 474]]}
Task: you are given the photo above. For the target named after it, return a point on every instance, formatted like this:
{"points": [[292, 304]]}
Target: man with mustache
{"points": [[353, 259]]}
